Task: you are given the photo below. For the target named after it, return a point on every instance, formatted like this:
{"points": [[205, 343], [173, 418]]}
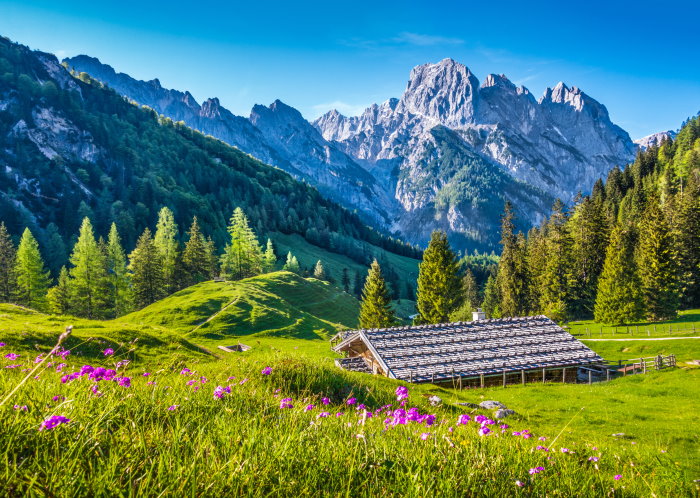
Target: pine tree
{"points": [[8, 281], [32, 276], [345, 280], [165, 240], [618, 298], [537, 257], [55, 249], [146, 268], [658, 265], [243, 257], [59, 296], [375, 307], [291, 264], [269, 258], [557, 276], [195, 260], [357, 285], [438, 281], [88, 275], [319, 273], [118, 280], [687, 232], [212, 258], [512, 277]]}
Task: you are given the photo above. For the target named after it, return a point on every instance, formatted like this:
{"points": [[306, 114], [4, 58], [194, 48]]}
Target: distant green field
{"points": [[687, 324], [684, 349]]}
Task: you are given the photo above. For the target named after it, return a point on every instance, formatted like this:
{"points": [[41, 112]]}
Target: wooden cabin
{"points": [[467, 354]]}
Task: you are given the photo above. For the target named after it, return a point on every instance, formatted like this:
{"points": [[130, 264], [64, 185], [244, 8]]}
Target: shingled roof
{"points": [[433, 353]]}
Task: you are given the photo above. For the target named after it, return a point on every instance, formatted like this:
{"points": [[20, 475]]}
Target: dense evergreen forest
{"points": [[629, 250], [73, 149]]}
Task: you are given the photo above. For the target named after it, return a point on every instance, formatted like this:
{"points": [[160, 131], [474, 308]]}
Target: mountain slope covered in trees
{"points": [[71, 148]]}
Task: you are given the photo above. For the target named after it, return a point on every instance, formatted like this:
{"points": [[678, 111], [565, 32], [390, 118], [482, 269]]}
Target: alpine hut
{"points": [[464, 354]]}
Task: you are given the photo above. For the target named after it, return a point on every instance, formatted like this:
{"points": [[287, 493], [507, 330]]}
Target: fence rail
{"points": [[636, 330]]}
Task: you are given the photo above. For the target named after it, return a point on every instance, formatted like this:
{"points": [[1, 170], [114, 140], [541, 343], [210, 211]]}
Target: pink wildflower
{"points": [[266, 371], [53, 421], [108, 352]]}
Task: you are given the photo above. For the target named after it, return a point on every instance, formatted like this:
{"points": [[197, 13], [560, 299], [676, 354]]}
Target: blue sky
{"points": [[640, 59]]}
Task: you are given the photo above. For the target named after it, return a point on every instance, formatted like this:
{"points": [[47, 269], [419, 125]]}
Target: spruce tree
{"points": [[118, 279], [243, 257], [492, 299], [165, 240], [195, 260], [319, 273], [658, 265], [212, 258], [375, 307], [31, 273], [88, 275], [537, 257], [438, 281], [357, 285], [618, 297], [269, 258], [557, 276], [291, 263], [345, 280], [147, 277], [59, 296], [687, 232], [8, 282], [512, 277]]}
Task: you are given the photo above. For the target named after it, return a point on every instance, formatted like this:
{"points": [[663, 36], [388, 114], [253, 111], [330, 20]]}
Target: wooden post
{"points": [[619, 363], [504, 378], [460, 381], [410, 377], [544, 375], [482, 380], [432, 378], [522, 376], [624, 371], [607, 374], [644, 365], [563, 375], [590, 377]]}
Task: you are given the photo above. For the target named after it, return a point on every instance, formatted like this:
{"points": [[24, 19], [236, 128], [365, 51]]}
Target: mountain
{"points": [[447, 154], [277, 135], [655, 139], [69, 148]]}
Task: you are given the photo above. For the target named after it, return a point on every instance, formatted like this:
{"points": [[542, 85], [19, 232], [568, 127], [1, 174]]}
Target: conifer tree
{"points": [[88, 275], [8, 282], [512, 277], [319, 273], [291, 263], [658, 265], [375, 307], [557, 276], [269, 258], [687, 232], [212, 258], [537, 257], [118, 280], [345, 280], [243, 257], [165, 240], [59, 296], [32, 276], [357, 285], [195, 260], [146, 268], [438, 281], [492, 299], [618, 297]]}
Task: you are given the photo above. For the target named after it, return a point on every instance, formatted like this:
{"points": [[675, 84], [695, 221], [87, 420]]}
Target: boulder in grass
{"points": [[503, 413], [468, 405], [491, 405], [435, 400]]}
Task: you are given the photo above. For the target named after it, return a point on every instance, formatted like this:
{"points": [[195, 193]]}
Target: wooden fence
{"points": [[629, 367], [636, 330]]}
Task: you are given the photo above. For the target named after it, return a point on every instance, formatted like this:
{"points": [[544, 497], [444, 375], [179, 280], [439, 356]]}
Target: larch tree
{"points": [[657, 260], [165, 240], [439, 283], [32, 276], [618, 297], [319, 272], [194, 257], [269, 258], [243, 256], [375, 306], [8, 252], [88, 275], [291, 264], [59, 296], [145, 264], [118, 278]]}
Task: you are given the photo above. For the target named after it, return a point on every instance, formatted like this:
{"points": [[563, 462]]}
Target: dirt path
{"points": [[647, 339], [231, 303]]}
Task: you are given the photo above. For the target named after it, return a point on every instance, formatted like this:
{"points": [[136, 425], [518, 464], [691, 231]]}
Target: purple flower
{"points": [[122, 363], [108, 352], [95, 390], [185, 371], [323, 415], [520, 484], [340, 414], [145, 374], [22, 408], [325, 401], [309, 408], [2, 344], [53, 421], [429, 420], [463, 419], [220, 392], [58, 398], [593, 459], [617, 477], [243, 381], [266, 371], [12, 356], [564, 450], [484, 431], [401, 393], [124, 381], [536, 470], [351, 401], [425, 436], [172, 408], [286, 403]]}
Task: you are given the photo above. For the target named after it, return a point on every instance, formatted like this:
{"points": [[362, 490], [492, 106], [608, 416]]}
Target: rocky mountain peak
{"points": [[498, 80]]}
